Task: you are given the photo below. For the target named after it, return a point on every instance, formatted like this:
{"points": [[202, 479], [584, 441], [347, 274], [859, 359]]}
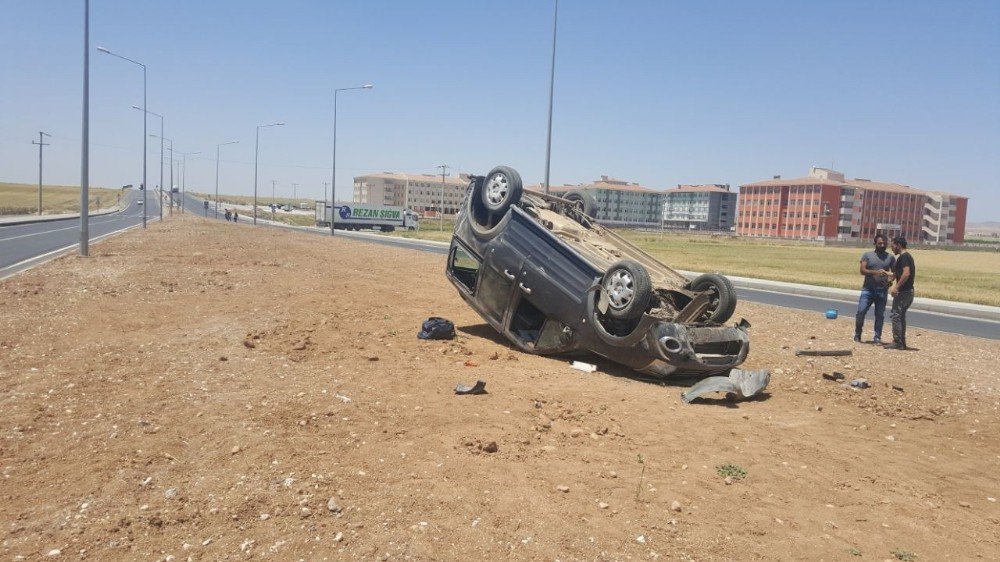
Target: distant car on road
{"points": [[545, 275]]}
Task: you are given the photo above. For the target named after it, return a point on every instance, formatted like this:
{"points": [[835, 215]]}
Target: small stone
{"points": [[305, 512], [332, 506], [603, 505], [562, 488], [249, 343], [491, 447], [890, 438], [170, 493], [223, 358], [235, 450], [265, 516], [675, 506], [819, 408], [613, 474], [576, 432], [964, 504], [339, 537], [54, 552], [729, 480], [640, 539], [206, 542]]}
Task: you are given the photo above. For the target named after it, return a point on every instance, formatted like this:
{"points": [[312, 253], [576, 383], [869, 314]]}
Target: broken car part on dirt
{"points": [[478, 388], [544, 274], [740, 384], [823, 352]]}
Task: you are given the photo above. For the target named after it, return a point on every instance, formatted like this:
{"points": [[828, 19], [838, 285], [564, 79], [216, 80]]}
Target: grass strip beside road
{"points": [[22, 199], [963, 276], [952, 275]]}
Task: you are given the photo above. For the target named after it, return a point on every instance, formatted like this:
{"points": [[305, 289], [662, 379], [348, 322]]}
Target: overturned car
{"points": [[544, 274]]}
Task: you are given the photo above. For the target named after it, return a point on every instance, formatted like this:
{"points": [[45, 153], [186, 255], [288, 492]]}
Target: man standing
{"points": [[876, 266], [905, 272]]}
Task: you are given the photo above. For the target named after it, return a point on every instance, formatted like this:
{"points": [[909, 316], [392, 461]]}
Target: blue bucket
{"points": [[831, 313]]}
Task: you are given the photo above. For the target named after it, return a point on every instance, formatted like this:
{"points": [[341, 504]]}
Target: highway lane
{"points": [[22, 242]]}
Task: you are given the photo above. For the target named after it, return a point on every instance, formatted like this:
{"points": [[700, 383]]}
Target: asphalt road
{"points": [[20, 244]]}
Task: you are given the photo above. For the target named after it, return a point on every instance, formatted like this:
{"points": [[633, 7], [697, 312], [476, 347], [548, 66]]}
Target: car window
{"points": [[464, 266]]}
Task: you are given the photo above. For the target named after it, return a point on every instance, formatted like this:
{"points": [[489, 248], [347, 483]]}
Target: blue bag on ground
{"points": [[435, 328]]}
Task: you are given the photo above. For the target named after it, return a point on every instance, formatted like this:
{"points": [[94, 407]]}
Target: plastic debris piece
{"points": [[585, 367], [478, 388], [740, 383]]}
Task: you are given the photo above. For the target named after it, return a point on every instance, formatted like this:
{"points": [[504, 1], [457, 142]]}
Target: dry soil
{"points": [[209, 391]]}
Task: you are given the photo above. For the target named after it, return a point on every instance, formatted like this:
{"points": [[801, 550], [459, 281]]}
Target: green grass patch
{"points": [[954, 275], [734, 471], [22, 199]]}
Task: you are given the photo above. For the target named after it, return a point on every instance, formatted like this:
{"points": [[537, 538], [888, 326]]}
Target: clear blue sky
{"points": [[654, 92]]}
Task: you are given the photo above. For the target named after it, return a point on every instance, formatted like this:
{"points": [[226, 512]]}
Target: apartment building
{"points": [[620, 203], [423, 193], [700, 207], [825, 204]]}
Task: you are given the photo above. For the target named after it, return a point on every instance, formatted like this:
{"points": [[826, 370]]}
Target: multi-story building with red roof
{"points": [[825, 204]]}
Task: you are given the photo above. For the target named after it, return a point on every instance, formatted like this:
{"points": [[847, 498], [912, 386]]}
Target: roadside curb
{"points": [[963, 309]]}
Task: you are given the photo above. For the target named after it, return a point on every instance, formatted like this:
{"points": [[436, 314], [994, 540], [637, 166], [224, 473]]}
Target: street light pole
{"points": [[184, 167], [333, 189], [85, 145], [256, 150], [217, 147], [444, 169], [552, 84], [41, 142], [143, 109]]}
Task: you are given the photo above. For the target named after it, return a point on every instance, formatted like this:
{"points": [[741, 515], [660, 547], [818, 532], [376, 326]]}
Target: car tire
{"points": [[583, 201], [629, 290], [723, 300], [501, 189]]}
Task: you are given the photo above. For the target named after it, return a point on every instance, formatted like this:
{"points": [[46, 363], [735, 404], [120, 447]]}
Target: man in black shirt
{"points": [[905, 272]]}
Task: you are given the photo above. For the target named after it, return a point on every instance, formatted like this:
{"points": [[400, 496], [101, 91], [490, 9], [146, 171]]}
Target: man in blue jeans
{"points": [[905, 271], [876, 266]]}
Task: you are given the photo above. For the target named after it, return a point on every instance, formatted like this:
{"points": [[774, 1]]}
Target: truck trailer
{"points": [[361, 216]]}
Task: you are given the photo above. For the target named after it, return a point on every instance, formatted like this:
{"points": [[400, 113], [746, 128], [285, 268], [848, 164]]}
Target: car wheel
{"points": [[584, 202], [501, 189], [723, 297], [628, 288]]}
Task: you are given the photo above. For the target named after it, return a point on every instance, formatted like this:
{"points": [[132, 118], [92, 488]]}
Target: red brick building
{"points": [[825, 204]]}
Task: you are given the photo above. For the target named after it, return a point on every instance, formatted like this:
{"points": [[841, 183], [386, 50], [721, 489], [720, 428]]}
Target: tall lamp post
{"points": [[552, 84], [85, 144], [256, 150], [217, 147], [184, 167], [144, 132], [41, 142], [333, 189], [160, 201], [170, 189]]}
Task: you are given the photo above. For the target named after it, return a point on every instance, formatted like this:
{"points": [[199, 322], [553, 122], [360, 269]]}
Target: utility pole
{"points": [[41, 142], [273, 183], [294, 187], [444, 170]]}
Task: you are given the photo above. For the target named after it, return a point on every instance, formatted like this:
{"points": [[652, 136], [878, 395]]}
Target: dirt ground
{"points": [[209, 391]]}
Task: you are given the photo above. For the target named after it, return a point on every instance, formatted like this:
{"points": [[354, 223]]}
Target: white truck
{"points": [[359, 216]]}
